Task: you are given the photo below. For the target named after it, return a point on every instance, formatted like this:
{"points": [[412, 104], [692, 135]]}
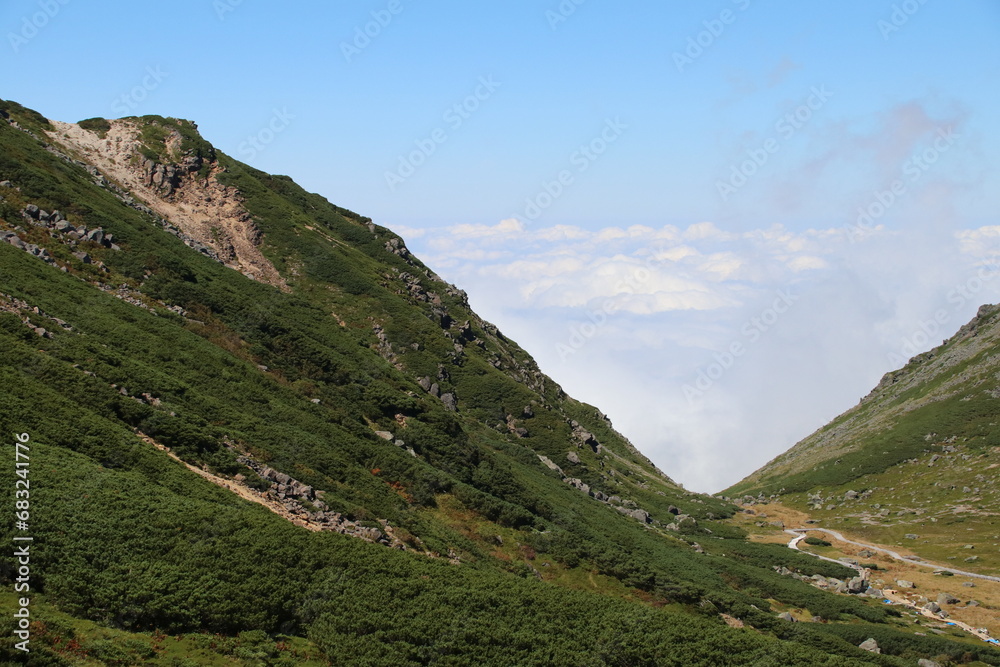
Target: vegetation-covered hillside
{"points": [[263, 433], [914, 463]]}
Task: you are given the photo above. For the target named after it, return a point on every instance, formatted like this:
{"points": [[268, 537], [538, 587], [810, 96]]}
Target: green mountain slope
{"points": [[254, 414], [917, 456]]}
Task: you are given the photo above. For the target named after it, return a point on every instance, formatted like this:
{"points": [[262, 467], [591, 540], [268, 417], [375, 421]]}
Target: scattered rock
{"points": [[785, 616], [573, 457], [947, 598], [903, 583], [641, 515], [933, 607], [870, 645], [549, 464]]}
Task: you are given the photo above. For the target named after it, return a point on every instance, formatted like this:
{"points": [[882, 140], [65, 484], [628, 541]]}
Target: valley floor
{"points": [[979, 605]]}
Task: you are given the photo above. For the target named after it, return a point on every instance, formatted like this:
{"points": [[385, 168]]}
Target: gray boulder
{"points": [[641, 515], [449, 401], [870, 645], [857, 585], [924, 662], [573, 457], [785, 616], [903, 583], [947, 598]]}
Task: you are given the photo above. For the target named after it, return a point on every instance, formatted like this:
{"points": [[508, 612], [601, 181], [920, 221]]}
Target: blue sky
{"points": [[722, 147]]}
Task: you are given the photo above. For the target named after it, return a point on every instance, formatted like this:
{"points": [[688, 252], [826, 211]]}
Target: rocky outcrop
{"points": [[301, 501], [185, 191]]}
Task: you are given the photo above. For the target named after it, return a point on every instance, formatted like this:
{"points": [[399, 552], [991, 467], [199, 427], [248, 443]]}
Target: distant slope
{"points": [[364, 462], [917, 456], [947, 395]]}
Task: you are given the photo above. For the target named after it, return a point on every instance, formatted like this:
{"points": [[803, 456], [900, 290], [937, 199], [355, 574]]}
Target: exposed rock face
{"points": [[290, 494], [203, 208], [583, 437]]}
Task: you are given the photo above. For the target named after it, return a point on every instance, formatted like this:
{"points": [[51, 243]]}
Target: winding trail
{"points": [[799, 534], [890, 596], [794, 544]]}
